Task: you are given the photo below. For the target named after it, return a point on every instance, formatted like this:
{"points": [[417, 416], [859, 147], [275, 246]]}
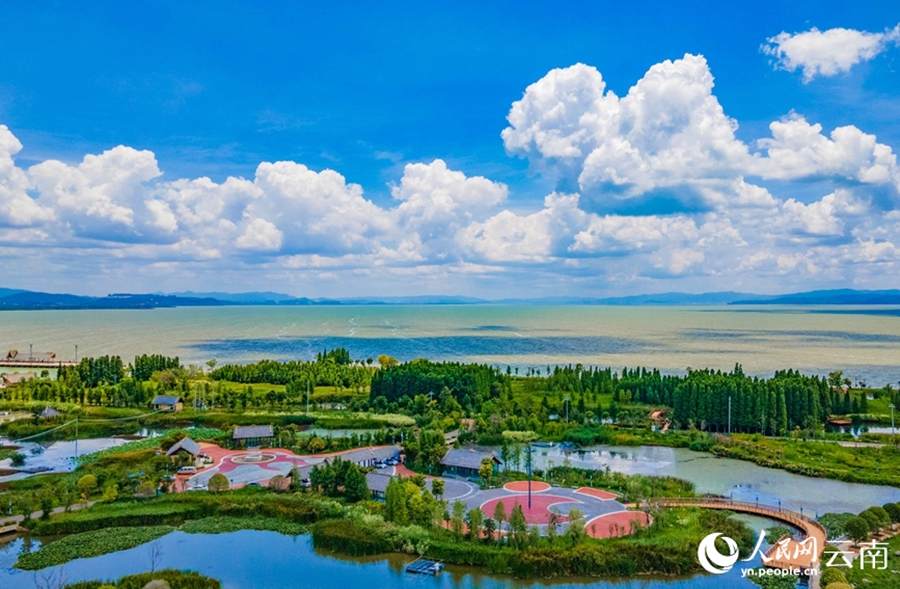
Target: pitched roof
{"points": [[242, 432], [50, 412], [166, 400], [186, 444], [17, 377], [468, 458], [377, 482], [361, 454]]}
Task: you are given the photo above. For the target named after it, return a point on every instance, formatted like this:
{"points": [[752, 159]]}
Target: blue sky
{"points": [[124, 123]]}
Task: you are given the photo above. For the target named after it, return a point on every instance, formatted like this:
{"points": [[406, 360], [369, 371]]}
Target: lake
{"points": [[743, 481], [264, 560], [864, 342]]}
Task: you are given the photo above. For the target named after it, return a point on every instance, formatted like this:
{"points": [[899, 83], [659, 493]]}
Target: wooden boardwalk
{"points": [[792, 556], [36, 363]]}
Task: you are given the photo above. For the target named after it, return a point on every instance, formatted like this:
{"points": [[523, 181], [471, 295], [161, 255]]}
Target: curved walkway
{"points": [[789, 555]]}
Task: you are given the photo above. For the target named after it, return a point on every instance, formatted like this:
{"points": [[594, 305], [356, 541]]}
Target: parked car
{"points": [[255, 484], [187, 470]]}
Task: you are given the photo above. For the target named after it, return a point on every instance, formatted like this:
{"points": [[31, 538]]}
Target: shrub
{"points": [[350, 537], [225, 524], [110, 495], [145, 490], [893, 510], [175, 579], [881, 514], [834, 524], [87, 484], [218, 483], [857, 529], [872, 519], [831, 575]]}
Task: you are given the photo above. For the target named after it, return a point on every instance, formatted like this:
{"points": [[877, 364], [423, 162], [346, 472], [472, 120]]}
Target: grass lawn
{"points": [[879, 466]]}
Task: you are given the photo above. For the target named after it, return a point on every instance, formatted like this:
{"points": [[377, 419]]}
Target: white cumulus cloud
{"points": [[827, 53]]}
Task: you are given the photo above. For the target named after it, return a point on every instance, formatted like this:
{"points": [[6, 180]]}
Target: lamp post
{"points": [[567, 409], [891, 406], [528, 452]]}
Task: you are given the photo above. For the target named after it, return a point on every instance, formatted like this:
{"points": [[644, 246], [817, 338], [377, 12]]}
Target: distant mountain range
{"points": [[13, 299]]}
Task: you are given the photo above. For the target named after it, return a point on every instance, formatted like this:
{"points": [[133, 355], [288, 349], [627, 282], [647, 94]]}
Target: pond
{"points": [[263, 560], [57, 456], [741, 480]]}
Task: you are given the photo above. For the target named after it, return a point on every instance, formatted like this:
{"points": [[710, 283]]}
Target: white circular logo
{"points": [[710, 557]]}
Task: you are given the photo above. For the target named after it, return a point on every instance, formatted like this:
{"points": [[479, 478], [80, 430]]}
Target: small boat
{"points": [[840, 421]]}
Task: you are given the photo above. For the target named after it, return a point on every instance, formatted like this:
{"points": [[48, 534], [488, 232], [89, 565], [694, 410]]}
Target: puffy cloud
{"points": [[668, 132], [437, 202], [536, 237], [615, 233], [668, 143], [317, 211], [798, 149], [261, 235], [827, 53], [17, 209], [653, 185], [103, 196]]}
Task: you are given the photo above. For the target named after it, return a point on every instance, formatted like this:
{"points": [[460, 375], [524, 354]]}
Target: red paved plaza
{"points": [[616, 524], [540, 506]]}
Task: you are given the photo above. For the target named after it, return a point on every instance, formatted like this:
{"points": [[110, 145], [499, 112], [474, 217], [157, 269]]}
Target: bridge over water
{"points": [[795, 559]]}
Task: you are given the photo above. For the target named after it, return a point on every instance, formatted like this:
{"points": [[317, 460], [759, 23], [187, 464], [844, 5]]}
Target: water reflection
{"points": [[740, 480], [263, 560]]}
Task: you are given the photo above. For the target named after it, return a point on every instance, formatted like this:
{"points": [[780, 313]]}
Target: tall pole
{"points": [[729, 415], [567, 409], [528, 452], [307, 396], [76, 442], [892, 418], [76, 353]]}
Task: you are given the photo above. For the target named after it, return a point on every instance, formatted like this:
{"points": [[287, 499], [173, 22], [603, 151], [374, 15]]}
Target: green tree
{"points": [[395, 498], [893, 510], [146, 490], [437, 487], [499, 516], [857, 529], [457, 518], [218, 483], [110, 494], [315, 445], [87, 485], [386, 361], [518, 525], [486, 470], [475, 519], [575, 530], [355, 486]]}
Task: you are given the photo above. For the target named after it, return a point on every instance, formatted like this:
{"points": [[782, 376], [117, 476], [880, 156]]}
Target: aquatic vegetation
{"points": [[89, 544], [175, 579], [225, 524]]}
